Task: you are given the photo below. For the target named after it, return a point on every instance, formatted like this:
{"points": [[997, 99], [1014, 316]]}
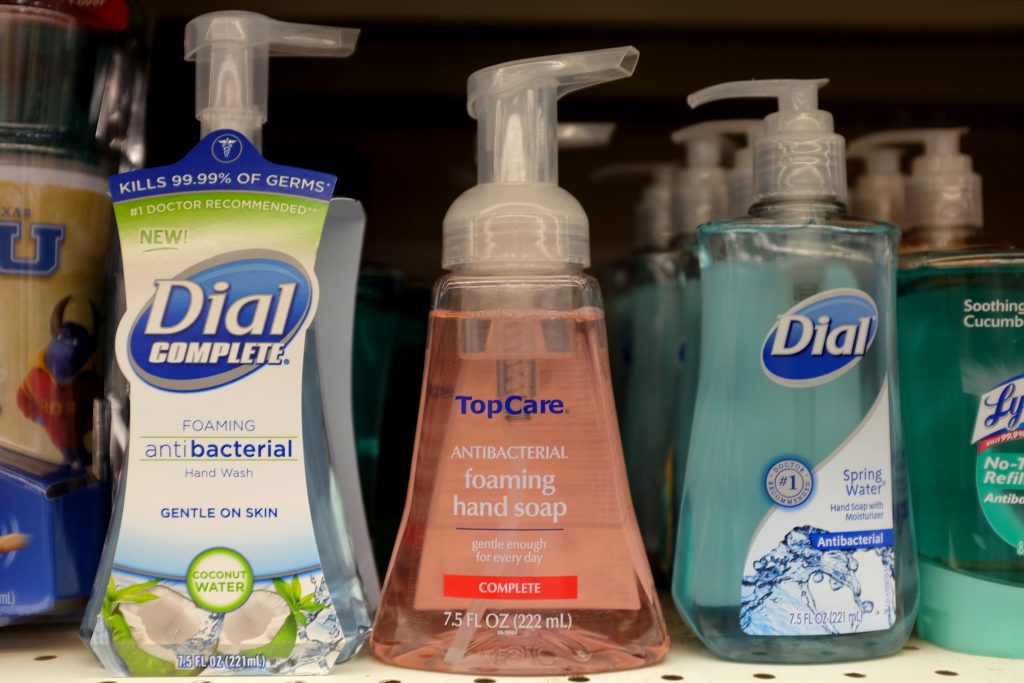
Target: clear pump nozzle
{"points": [[798, 155], [517, 213], [579, 135], [702, 187], [881, 189], [232, 50], [943, 191], [654, 225]]}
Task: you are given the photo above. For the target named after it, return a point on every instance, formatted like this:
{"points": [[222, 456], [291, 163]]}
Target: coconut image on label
{"points": [[151, 625], [264, 625]]}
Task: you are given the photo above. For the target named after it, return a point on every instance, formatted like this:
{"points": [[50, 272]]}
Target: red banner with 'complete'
{"points": [[510, 587]]}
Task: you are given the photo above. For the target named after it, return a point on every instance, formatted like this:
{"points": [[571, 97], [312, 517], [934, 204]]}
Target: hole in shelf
{"points": [[484, 680], [765, 677], [391, 680], [946, 672], [104, 681], [671, 677], [911, 647], [44, 658], [855, 674], [578, 679]]}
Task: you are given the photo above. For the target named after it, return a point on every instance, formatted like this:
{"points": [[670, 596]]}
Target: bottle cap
{"points": [[799, 155], [232, 50], [517, 213]]}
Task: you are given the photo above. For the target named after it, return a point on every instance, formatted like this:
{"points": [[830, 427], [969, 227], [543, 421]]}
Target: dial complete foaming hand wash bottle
{"points": [[229, 551], [519, 551], [795, 542]]}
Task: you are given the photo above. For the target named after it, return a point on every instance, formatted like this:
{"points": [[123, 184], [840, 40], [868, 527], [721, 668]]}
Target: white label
{"points": [[822, 560]]}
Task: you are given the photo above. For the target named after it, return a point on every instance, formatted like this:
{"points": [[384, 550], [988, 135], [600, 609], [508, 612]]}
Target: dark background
{"points": [[391, 120]]}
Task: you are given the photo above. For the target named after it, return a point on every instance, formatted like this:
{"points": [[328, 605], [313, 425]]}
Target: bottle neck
{"points": [[812, 207], [939, 238], [532, 269]]}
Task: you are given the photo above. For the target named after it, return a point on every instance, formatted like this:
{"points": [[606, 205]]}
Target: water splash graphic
{"points": [[787, 594]]}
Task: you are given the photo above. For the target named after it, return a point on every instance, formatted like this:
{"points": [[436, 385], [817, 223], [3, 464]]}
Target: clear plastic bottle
{"points": [[795, 543], [961, 302], [519, 552]]}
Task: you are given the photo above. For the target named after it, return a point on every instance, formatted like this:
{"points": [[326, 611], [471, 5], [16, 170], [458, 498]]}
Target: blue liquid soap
{"points": [[795, 543], [656, 298]]}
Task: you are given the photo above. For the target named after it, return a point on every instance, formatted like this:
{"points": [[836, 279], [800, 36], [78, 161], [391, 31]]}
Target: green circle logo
{"points": [[219, 580]]}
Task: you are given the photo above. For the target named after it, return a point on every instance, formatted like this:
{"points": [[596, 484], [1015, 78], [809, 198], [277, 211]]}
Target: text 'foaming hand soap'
{"points": [[519, 551], [794, 539], [229, 552]]}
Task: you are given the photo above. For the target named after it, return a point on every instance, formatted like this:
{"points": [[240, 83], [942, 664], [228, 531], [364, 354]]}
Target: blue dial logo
{"points": [[821, 338]]}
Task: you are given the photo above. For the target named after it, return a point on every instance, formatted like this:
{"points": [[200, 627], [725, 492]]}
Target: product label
{"points": [[216, 536], [53, 242], [1000, 474], [822, 561], [528, 510]]}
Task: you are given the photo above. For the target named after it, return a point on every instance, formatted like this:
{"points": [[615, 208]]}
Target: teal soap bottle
{"points": [[646, 319], [703, 192], [961, 330], [795, 542]]}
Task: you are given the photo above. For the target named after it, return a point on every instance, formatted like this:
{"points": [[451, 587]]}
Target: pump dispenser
{"points": [[283, 533], [741, 177], [653, 214], [880, 191], [943, 193], [584, 135], [702, 189], [796, 396], [518, 447], [960, 337], [232, 51]]}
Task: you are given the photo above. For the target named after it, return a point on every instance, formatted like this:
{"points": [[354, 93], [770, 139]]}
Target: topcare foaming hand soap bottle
{"points": [[519, 552]]}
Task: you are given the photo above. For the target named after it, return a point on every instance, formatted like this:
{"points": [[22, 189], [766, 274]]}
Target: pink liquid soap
{"points": [[519, 552]]}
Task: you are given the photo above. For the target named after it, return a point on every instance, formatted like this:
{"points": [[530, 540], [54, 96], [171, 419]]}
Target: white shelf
{"points": [[46, 654]]}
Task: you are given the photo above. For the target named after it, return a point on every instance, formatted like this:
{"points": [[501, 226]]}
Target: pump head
{"points": [[232, 50], [702, 188], [943, 191], [654, 225], [580, 135], [799, 155], [880, 192], [517, 213]]}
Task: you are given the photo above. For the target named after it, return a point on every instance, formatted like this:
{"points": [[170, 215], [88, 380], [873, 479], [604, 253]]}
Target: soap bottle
{"points": [[229, 551], [519, 551], [652, 332], [703, 192], [795, 543], [961, 316]]}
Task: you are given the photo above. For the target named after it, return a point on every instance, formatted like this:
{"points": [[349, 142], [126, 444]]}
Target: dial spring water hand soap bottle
{"points": [[795, 542], [519, 552]]}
